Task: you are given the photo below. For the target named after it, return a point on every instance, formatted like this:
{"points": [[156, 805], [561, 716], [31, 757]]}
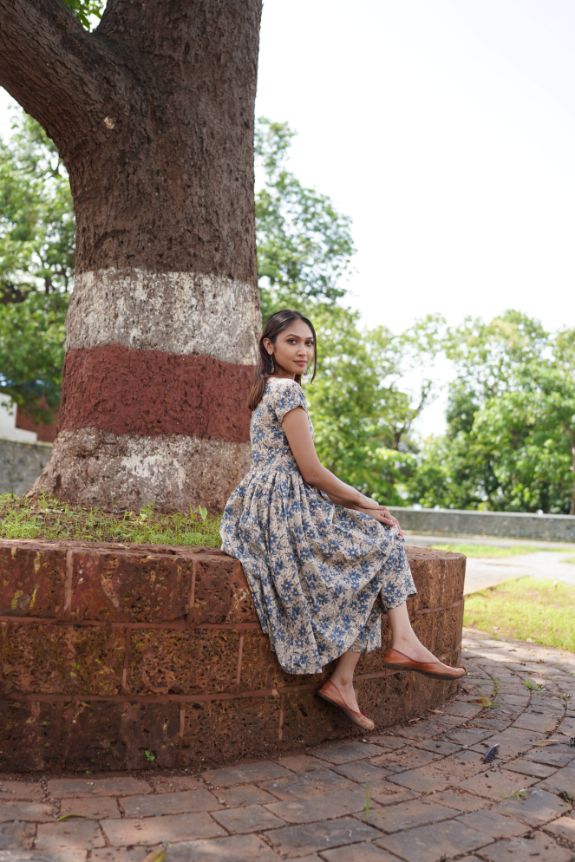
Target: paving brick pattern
{"points": [[419, 792]]}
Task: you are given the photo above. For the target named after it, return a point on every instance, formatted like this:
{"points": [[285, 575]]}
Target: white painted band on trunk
{"points": [[89, 465], [176, 312]]}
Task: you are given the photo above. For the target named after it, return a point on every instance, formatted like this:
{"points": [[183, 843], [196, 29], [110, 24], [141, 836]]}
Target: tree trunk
{"points": [[153, 115]]}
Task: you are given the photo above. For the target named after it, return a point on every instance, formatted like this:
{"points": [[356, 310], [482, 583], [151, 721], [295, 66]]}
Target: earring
{"points": [[272, 362]]}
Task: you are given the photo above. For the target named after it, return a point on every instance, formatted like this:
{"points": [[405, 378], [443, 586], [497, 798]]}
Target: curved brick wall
{"points": [[121, 656]]}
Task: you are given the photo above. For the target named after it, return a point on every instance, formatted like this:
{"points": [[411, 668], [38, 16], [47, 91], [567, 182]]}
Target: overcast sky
{"points": [[446, 130]]}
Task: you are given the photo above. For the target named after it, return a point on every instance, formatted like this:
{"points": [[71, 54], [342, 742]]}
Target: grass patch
{"points": [[568, 560], [49, 518], [490, 550], [526, 609]]}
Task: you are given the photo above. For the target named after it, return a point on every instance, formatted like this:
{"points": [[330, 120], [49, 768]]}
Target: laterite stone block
{"points": [[182, 661], [58, 659], [135, 587], [221, 593], [223, 730], [92, 736], [31, 580], [151, 734]]}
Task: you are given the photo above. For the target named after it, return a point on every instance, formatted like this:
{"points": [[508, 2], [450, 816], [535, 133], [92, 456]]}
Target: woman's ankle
{"points": [[401, 642], [410, 645], [343, 680]]}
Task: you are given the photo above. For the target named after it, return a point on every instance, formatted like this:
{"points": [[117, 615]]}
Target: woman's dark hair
{"points": [[275, 324]]}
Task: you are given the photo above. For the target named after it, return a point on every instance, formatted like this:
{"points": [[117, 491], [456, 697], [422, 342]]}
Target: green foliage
{"points": [[362, 416], [303, 245], [511, 421], [36, 268], [36, 214], [86, 10], [32, 336]]}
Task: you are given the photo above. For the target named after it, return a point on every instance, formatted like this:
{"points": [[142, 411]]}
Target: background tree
{"points": [[36, 268], [510, 421], [152, 115], [363, 412], [304, 246]]}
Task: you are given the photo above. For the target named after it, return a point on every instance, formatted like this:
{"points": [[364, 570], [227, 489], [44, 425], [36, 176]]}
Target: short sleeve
{"points": [[287, 396]]}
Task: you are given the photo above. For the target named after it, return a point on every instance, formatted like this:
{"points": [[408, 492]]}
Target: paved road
{"points": [[482, 573], [418, 792]]}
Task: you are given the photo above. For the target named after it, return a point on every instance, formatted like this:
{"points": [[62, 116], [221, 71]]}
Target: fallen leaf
{"points": [[69, 816]]}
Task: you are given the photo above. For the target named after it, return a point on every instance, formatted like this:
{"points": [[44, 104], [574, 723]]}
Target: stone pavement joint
{"points": [[419, 792]]}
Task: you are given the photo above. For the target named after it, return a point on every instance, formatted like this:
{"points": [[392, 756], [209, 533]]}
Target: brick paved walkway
{"points": [[420, 793]]}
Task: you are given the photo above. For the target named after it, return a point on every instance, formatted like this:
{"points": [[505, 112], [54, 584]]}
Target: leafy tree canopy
{"points": [[86, 11], [510, 441], [36, 268], [304, 246]]}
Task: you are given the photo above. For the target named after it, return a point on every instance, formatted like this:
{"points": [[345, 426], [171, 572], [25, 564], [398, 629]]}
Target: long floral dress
{"points": [[320, 574]]}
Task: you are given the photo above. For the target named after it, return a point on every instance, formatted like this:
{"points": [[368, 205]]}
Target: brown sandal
{"points": [[397, 660], [353, 714]]}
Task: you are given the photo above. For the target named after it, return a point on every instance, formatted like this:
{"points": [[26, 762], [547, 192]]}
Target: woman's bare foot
{"points": [[412, 647], [341, 693], [347, 691]]}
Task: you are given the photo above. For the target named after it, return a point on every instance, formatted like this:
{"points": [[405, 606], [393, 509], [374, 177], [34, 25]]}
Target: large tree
{"points": [[153, 115]]}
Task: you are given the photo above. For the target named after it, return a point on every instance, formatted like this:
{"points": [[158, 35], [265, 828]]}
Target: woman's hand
{"points": [[381, 514]]}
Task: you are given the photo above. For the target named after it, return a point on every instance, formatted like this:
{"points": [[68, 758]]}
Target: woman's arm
{"points": [[296, 429]]}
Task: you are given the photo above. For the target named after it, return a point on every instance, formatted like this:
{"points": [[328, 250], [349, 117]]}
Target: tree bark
{"points": [[153, 115]]}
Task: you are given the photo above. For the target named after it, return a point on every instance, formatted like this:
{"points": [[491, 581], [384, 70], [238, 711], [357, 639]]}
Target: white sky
{"points": [[446, 130]]}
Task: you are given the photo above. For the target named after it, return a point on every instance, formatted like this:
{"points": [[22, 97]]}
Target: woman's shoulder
{"points": [[283, 381], [285, 394], [279, 385]]}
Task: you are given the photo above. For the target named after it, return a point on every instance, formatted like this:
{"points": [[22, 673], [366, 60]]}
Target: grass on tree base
{"points": [[526, 609], [47, 517]]}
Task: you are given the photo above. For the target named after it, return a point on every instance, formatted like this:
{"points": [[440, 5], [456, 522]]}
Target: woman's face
{"points": [[293, 350]]}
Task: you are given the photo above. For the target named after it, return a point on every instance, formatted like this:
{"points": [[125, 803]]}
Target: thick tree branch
{"points": [[60, 74]]}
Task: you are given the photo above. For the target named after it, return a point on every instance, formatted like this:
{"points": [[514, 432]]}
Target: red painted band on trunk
{"points": [[154, 394]]}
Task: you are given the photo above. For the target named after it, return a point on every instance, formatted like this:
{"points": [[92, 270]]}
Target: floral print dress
{"points": [[320, 574]]}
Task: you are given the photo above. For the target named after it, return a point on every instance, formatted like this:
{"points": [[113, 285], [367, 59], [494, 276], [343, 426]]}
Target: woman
{"points": [[322, 560]]}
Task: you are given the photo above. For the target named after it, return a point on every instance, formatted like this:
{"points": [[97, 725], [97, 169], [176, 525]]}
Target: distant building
{"points": [[25, 448], [17, 424]]}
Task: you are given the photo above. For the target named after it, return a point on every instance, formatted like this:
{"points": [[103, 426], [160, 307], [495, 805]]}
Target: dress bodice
{"points": [[269, 444]]}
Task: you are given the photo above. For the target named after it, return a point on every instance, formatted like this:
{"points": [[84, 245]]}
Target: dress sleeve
{"points": [[287, 396]]}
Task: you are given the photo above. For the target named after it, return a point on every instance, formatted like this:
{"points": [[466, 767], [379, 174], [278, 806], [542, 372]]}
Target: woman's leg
{"points": [[343, 673], [342, 676], [403, 638]]}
